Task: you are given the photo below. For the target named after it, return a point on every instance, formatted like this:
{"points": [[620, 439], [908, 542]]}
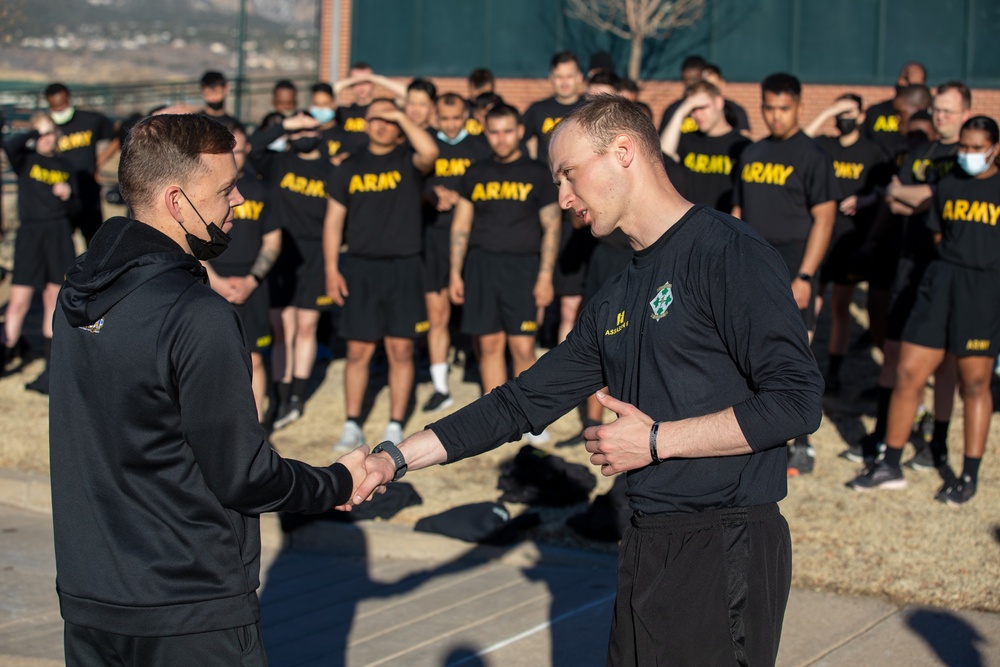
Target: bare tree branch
{"points": [[637, 20]]}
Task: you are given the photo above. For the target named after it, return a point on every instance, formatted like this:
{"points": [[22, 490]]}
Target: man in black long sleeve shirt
{"points": [[701, 344], [159, 467]]}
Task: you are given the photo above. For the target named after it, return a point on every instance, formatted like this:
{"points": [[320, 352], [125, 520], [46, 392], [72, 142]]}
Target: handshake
{"points": [[371, 471]]}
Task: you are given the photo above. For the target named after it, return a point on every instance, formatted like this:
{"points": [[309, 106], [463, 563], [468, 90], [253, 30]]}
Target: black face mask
{"points": [[216, 106], [846, 125], [304, 144], [200, 248]]}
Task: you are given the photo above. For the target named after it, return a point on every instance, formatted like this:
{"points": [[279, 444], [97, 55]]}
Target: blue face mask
{"points": [[323, 115], [974, 163], [457, 140]]}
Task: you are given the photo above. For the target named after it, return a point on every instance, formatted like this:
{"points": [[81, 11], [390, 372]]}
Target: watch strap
{"points": [[397, 457]]}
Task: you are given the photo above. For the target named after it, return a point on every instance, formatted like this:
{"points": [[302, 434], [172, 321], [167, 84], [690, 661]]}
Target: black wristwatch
{"points": [[396, 456], [805, 276]]}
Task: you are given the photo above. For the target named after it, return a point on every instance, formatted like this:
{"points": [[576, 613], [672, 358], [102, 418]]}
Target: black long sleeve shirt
{"points": [[701, 321]]}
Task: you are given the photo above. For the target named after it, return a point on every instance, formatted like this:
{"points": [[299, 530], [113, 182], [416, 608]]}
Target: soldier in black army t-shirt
{"points": [[508, 220], [43, 246], [575, 245], [862, 168], [323, 107], [908, 195], [708, 155], [787, 192], [80, 133], [299, 183], [239, 273], [882, 120], [375, 207], [351, 118], [457, 151], [957, 312]]}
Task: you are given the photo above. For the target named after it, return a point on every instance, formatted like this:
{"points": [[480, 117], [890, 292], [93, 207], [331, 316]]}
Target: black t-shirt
{"points": [[336, 141], [734, 113], [708, 163], [449, 168], [700, 321], [351, 119], [924, 164], [860, 169], [251, 221], [507, 198], [382, 196], [541, 118], [36, 174], [298, 189], [881, 122], [78, 143], [778, 184], [965, 211]]}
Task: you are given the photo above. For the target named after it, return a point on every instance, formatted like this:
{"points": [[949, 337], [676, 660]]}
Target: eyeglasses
{"points": [[944, 112]]}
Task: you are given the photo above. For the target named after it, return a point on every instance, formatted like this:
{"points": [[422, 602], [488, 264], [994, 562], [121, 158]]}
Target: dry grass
{"points": [[899, 545]]}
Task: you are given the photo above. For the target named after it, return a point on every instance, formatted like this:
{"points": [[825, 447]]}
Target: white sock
{"points": [[439, 377]]}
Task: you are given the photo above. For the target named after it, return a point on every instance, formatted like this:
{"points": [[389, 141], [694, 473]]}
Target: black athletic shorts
{"points": [[254, 314], [86, 647], [298, 278], [792, 254], [958, 310], [385, 298], [436, 259], [702, 589], [575, 248], [499, 294], [43, 251], [909, 273], [841, 265], [607, 261]]}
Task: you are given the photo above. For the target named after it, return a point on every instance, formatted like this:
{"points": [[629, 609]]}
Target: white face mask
{"points": [[62, 117], [974, 163], [278, 145]]}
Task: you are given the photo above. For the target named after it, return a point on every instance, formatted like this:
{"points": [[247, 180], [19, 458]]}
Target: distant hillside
{"points": [[109, 41]]}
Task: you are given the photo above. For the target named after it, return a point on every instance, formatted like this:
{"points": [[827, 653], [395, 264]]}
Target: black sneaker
{"points": [[856, 451], [801, 459], [957, 492], [438, 401], [881, 476], [922, 460], [288, 413], [40, 384]]}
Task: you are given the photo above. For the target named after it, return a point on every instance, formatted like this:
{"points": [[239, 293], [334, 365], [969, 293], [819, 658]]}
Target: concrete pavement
{"points": [[378, 594]]}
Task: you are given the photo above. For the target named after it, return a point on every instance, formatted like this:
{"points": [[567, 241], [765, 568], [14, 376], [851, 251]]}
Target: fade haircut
{"points": [[962, 90], [166, 150], [322, 87], [604, 117], [55, 89], [563, 57], [503, 110], [693, 62], [781, 84], [481, 77], [915, 95], [213, 79], [426, 86]]}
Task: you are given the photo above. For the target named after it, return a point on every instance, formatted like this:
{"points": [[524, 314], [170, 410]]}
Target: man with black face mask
{"points": [[299, 180], [159, 467], [214, 90], [863, 169]]}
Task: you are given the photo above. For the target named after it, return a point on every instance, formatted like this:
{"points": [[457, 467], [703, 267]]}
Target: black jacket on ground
{"points": [[159, 468]]}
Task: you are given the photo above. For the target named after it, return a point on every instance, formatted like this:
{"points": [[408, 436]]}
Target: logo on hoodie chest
{"points": [[94, 328]]}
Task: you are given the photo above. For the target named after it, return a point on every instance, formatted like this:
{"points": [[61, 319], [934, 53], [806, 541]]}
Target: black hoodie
{"points": [[159, 468]]}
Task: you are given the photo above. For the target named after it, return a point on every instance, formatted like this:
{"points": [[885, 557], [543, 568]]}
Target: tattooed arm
{"points": [[550, 217], [461, 226]]}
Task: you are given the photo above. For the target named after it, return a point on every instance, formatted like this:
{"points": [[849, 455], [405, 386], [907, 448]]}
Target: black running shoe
{"points": [[438, 401], [288, 413], [881, 476], [958, 492], [40, 384], [922, 460], [801, 460]]}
